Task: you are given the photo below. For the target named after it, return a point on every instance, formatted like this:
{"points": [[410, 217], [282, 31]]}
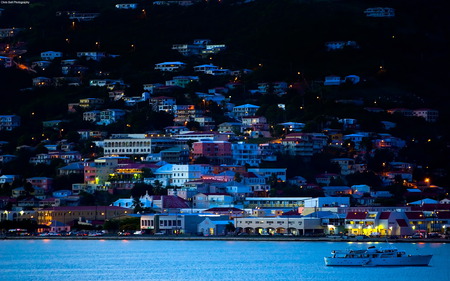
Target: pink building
{"points": [[218, 152], [42, 182]]}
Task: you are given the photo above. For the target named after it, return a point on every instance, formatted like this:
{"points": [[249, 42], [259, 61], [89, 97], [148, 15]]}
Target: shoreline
{"points": [[227, 238]]}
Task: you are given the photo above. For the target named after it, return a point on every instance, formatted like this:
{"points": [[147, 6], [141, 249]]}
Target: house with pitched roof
{"points": [[212, 200]]}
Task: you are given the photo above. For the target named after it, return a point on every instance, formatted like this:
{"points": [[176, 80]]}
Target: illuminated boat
{"points": [[373, 256]]}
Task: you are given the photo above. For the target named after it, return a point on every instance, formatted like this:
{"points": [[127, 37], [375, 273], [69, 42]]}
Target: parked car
{"points": [[417, 236]]}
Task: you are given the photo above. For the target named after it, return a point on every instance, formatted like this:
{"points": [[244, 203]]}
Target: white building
{"points": [[9, 122], [51, 55], [180, 174], [245, 110], [205, 67], [380, 12], [280, 173], [170, 66], [430, 115], [212, 200], [293, 126], [128, 6], [110, 116], [96, 56], [163, 103]]}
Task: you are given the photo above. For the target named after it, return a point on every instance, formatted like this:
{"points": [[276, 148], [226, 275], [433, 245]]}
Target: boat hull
{"points": [[411, 260]]}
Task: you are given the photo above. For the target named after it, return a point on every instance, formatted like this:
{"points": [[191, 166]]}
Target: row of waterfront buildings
{"points": [[261, 216]]}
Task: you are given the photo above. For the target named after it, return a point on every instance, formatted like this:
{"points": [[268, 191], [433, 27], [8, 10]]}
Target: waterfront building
{"points": [[175, 223], [80, 213], [291, 225], [210, 227]]}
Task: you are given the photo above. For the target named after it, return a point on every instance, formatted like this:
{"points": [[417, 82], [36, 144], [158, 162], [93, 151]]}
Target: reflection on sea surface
{"points": [[200, 260]]}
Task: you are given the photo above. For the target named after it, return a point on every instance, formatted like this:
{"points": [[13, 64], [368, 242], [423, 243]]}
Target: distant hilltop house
{"points": [[380, 12], [205, 67], [9, 122], [174, 2], [51, 55], [108, 83], [6, 61], [9, 32], [199, 47], [110, 116], [182, 81], [333, 80], [42, 81], [42, 64], [74, 15], [245, 110], [128, 6], [96, 56], [170, 66], [430, 115], [340, 45]]}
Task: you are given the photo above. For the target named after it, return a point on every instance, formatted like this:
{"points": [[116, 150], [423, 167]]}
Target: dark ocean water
{"points": [[201, 260]]}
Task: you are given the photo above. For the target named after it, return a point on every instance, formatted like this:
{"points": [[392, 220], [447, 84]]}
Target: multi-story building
{"points": [[51, 55], [110, 116], [68, 214], [175, 223], [430, 115], [245, 110], [380, 12], [96, 56], [99, 170], [91, 116], [186, 113], [178, 175], [91, 103], [218, 152], [42, 182], [9, 122], [170, 66], [212, 200], [282, 224], [182, 81], [176, 155], [163, 103], [137, 145], [246, 153]]}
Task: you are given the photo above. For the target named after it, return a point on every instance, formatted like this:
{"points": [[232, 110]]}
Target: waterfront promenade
{"points": [[229, 238]]}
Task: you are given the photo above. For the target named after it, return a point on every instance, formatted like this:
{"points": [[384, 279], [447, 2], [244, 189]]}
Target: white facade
{"points": [[51, 55], [212, 200], [245, 110], [205, 67], [430, 115], [321, 202], [127, 6], [280, 173], [170, 66], [180, 174], [380, 12], [9, 122], [96, 56], [110, 116]]}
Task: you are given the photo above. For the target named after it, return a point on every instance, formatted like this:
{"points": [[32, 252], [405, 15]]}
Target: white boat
{"points": [[373, 256]]}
